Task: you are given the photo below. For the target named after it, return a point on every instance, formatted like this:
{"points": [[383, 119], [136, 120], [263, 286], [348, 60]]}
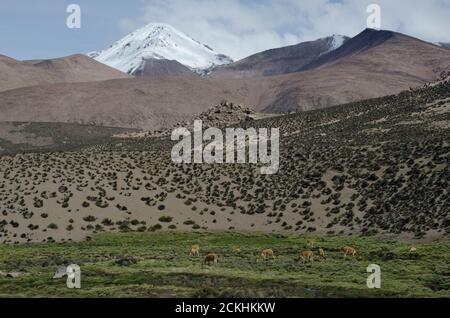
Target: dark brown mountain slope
{"points": [[364, 41], [157, 67], [281, 60], [373, 64]]}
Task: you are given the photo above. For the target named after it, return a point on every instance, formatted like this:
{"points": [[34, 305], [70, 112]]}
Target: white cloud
{"points": [[128, 25], [243, 27]]}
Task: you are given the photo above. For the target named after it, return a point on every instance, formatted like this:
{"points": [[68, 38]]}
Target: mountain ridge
{"points": [[396, 63], [281, 60], [361, 42]]}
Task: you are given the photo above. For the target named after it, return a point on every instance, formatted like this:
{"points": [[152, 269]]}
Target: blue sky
{"points": [[34, 29], [37, 28]]}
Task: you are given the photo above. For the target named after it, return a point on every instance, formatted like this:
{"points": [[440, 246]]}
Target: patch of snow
{"points": [[337, 41], [334, 41]]}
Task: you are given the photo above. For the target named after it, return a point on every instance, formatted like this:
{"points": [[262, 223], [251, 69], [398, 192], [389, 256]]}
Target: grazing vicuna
{"points": [[322, 255], [349, 251], [195, 250], [267, 254], [306, 256], [211, 258], [413, 250]]}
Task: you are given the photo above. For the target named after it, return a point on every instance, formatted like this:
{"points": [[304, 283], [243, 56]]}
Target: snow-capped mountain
{"points": [[161, 42]]}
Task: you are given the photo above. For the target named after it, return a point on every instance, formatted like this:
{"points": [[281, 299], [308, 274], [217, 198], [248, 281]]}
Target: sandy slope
{"points": [[75, 68]]}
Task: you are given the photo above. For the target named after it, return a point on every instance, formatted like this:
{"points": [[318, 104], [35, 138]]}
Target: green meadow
{"points": [[158, 265]]}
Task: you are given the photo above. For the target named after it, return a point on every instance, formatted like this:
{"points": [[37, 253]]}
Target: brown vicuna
{"points": [[349, 251], [306, 256], [322, 255], [211, 259], [195, 250], [267, 254]]}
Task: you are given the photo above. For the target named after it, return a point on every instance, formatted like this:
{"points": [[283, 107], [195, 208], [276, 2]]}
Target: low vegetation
{"points": [[373, 167]]}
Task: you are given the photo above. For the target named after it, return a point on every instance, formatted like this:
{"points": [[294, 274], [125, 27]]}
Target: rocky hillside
{"points": [[224, 114]]}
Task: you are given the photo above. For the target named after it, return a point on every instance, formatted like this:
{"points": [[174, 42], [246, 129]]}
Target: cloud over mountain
{"points": [[241, 28]]}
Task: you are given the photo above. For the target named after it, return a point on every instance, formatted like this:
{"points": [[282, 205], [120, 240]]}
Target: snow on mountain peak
{"points": [[334, 42], [159, 41], [337, 41]]}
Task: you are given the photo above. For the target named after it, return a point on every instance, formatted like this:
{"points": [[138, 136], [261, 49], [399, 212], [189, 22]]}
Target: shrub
{"points": [[155, 228], [124, 227], [52, 226], [142, 228], [165, 219], [107, 222], [89, 218]]}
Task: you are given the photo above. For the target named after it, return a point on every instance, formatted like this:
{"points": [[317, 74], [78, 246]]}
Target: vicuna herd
{"points": [[268, 254]]}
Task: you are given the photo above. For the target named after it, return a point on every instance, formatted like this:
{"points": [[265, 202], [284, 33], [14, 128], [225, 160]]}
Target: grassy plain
{"points": [[158, 265]]}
